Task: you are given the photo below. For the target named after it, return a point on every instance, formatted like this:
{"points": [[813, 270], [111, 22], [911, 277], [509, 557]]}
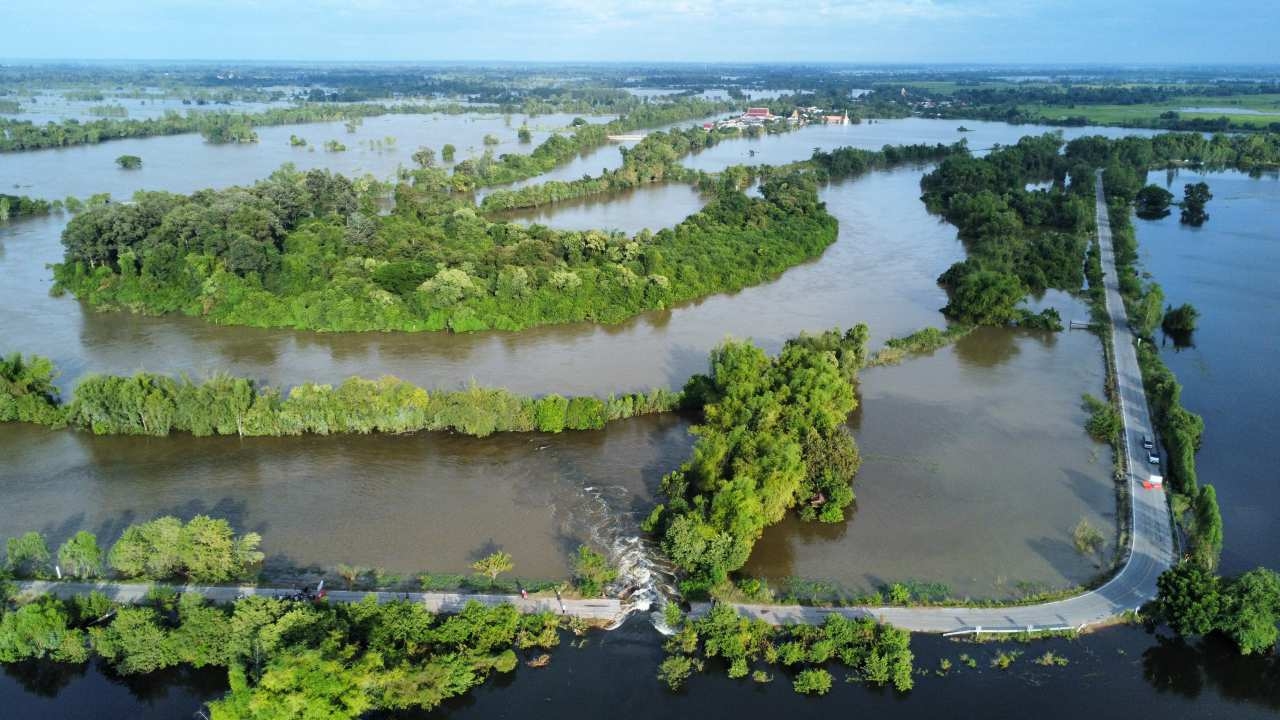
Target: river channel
{"points": [[986, 434], [976, 464]]}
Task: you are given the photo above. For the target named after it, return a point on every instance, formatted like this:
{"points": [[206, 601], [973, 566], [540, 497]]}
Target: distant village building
{"points": [[757, 113], [836, 119]]}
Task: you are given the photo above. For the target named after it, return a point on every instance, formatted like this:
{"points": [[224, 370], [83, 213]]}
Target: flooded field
{"points": [[1011, 433]]}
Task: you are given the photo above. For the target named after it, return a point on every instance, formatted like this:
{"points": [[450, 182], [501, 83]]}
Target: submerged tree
{"points": [[1180, 320], [1195, 197], [1152, 202]]}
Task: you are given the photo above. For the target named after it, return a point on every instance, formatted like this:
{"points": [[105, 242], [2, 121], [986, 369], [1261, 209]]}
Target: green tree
{"points": [[1252, 611], [210, 552], [80, 555], [40, 630], [447, 152], [1153, 202], [203, 550], [493, 565], [524, 134], [150, 549], [986, 297], [1195, 197], [1104, 423], [129, 162], [306, 683], [350, 573], [592, 572], [813, 681], [425, 157], [675, 670], [1149, 310], [1180, 320], [1189, 599], [28, 555], [1206, 540]]}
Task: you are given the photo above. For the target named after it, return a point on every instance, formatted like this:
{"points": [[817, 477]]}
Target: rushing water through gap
{"points": [[976, 465], [328, 500]]}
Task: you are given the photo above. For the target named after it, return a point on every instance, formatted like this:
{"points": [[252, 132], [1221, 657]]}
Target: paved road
{"points": [[1151, 548], [601, 609], [1150, 551]]}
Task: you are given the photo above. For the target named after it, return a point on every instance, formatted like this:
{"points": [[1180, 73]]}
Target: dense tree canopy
{"points": [[773, 439], [1019, 240], [875, 653], [1245, 608], [148, 404], [286, 659], [307, 250]]}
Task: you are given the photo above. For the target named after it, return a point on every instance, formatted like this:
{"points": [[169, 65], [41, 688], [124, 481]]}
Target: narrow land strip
{"points": [[1150, 551], [596, 609]]}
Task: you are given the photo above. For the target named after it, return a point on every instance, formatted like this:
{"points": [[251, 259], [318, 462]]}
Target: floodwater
{"points": [[1229, 269], [1119, 673], [976, 468], [881, 271], [648, 206], [873, 135], [184, 163], [591, 163], [976, 464], [300, 493], [408, 503], [54, 107]]}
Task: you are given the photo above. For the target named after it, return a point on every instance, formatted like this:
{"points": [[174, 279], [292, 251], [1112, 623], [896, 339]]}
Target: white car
{"points": [[1153, 458]]}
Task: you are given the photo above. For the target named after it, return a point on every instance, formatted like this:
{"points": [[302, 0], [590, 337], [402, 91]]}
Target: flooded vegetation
{"points": [[976, 464]]}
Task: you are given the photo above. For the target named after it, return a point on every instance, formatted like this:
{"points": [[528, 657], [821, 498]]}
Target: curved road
{"points": [[1150, 551], [1151, 547]]}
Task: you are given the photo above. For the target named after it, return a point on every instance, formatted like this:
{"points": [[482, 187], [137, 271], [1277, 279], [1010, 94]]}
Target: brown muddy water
{"points": [[977, 464], [881, 271]]}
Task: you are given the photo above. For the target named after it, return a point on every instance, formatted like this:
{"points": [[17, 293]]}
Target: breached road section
{"points": [[1150, 550]]}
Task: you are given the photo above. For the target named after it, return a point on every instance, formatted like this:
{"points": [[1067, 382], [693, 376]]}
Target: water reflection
{"points": [[1229, 269]]}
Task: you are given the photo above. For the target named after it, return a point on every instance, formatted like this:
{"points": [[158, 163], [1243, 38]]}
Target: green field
{"points": [[1268, 105]]}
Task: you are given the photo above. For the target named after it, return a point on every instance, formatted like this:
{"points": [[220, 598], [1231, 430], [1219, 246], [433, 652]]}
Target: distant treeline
{"points": [[1021, 104], [310, 251], [558, 149], [226, 126], [654, 159], [657, 159], [149, 404]]}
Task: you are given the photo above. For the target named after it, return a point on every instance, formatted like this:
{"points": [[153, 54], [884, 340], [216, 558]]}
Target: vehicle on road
{"points": [[1147, 443], [1153, 458]]}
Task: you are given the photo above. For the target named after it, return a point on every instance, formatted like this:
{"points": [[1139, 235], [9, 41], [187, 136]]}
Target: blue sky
{"points": [[864, 31]]}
